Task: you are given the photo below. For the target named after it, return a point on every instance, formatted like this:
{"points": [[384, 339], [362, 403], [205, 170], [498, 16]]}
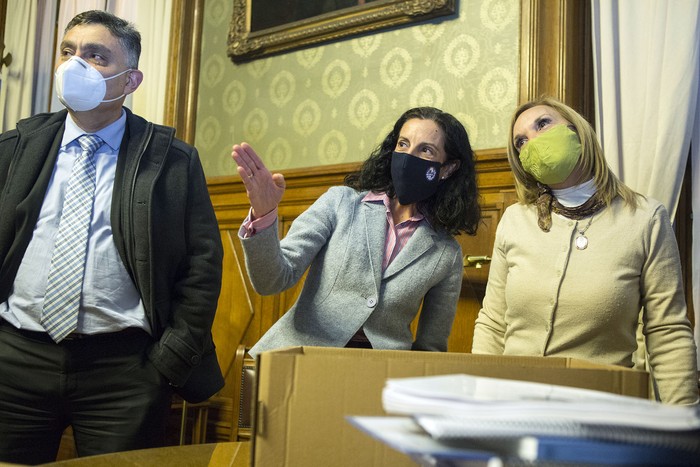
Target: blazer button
{"points": [[195, 359], [371, 302]]}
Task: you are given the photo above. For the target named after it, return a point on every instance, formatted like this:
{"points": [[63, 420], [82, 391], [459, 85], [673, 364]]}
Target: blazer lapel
{"points": [[420, 242], [375, 233]]}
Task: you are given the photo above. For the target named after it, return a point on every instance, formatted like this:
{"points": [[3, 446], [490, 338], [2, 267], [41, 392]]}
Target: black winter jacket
{"points": [[164, 228]]}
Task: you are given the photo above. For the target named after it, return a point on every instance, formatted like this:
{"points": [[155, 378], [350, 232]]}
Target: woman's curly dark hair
{"points": [[454, 208]]}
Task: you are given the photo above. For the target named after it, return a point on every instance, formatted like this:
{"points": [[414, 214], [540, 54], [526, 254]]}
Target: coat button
{"points": [[195, 359], [371, 302]]}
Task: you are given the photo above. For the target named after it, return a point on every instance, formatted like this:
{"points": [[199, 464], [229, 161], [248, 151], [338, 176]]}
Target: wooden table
{"points": [[233, 454]]}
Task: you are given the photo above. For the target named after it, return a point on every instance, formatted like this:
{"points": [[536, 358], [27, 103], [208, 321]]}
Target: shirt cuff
{"points": [[251, 226]]}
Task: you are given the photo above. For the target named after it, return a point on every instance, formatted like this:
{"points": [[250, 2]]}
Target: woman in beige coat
{"points": [[578, 258]]}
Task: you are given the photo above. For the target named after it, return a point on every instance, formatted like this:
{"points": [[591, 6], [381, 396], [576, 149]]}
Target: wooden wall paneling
{"points": [[237, 303], [475, 278], [236, 296]]}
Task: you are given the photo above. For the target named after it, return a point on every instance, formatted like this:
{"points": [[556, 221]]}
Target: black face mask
{"points": [[415, 179]]}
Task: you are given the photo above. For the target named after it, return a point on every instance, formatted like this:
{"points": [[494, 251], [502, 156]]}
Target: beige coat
{"points": [[545, 297]]}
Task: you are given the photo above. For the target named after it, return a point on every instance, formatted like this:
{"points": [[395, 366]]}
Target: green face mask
{"points": [[552, 156]]}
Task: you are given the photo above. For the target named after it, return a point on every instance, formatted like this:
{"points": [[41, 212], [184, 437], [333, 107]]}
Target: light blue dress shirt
{"points": [[110, 301]]}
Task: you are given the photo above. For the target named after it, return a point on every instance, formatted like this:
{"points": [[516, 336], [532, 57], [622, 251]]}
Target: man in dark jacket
{"points": [[110, 262]]}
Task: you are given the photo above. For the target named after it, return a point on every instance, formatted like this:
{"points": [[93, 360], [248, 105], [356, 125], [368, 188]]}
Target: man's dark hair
{"points": [[124, 31], [454, 208]]}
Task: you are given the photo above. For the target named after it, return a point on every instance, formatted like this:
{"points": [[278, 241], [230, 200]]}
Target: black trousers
{"points": [[103, 386]]}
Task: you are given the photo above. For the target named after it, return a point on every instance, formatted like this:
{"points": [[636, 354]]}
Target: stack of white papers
{"points": [[487, 418], [507, 400]]}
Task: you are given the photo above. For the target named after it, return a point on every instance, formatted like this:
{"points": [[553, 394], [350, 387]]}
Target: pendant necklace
{"points": [[582, 241]]}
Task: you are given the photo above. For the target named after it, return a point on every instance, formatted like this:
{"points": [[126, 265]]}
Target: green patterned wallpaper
{"points": [[334, 103]]}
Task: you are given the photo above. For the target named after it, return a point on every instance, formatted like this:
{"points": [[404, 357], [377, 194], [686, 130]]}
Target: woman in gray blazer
{"points": [[377, 250]]}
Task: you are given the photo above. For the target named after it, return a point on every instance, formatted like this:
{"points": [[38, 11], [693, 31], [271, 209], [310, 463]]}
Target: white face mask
{"points": [[80, 86]]}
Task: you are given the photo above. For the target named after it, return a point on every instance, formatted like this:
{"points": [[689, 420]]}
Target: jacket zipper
{"points": [[130, 205]]}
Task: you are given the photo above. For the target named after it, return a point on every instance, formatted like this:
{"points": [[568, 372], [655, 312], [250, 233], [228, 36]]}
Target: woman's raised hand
{"points": [[264, 189]]}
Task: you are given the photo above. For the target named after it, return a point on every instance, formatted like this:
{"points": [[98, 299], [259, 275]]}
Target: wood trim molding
{"points": [[3, 15], [228, 191], [183, 69], [305, 185], [556, 56], [247, 42]]}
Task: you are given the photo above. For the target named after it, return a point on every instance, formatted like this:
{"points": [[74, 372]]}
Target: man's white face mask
{"points": [[80, 86]]}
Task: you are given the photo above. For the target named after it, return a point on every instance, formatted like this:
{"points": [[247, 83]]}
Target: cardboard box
{"points": [[304, 393]]}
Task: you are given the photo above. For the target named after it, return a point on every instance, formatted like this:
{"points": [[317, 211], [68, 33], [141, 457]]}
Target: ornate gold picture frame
{"points": [[245, 43]]}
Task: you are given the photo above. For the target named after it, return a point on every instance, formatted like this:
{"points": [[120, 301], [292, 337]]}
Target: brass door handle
{"points": [[6, 61], [471, 261]]}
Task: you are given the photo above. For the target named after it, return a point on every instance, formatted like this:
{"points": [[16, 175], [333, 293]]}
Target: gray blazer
{"points": [[342, 239]]}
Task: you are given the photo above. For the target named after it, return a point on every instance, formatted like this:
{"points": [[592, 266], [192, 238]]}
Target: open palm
{"points": [[264, 189]]}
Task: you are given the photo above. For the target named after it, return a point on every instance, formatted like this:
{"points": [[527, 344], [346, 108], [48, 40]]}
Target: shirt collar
{"points": [[575, 195], [383, 198], [372, 196], [112, 134]]}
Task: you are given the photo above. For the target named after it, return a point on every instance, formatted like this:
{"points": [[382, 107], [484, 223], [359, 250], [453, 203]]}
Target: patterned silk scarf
{"points": [[546, 203]]}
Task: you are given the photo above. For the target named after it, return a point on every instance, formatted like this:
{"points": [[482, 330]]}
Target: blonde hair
{"points": [[593, 162]]}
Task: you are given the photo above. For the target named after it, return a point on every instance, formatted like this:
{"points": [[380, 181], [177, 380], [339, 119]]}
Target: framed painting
{"points": [[264, 27]]}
